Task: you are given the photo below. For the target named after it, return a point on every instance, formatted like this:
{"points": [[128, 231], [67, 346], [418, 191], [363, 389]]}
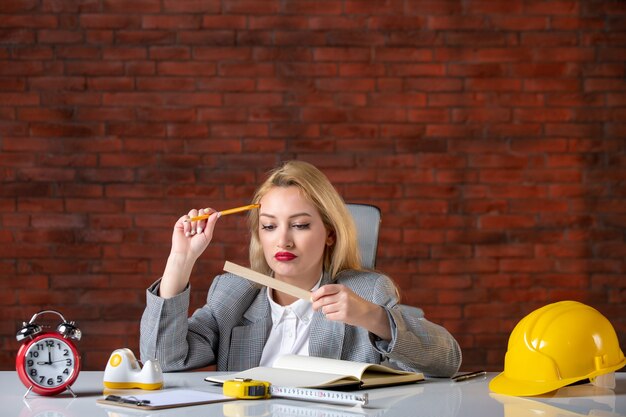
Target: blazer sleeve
{"points": [[417, 344], [180, 342], [166, 333]]}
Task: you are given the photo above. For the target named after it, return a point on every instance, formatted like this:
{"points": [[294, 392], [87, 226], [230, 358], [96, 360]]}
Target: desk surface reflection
{"points": [[434, 397]]}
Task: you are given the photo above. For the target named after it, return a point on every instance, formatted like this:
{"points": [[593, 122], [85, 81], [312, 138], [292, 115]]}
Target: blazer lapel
{"points": [[247, 342], [326, 336]]}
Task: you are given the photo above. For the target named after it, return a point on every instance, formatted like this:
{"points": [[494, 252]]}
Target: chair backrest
{"points": [[367, 221]]}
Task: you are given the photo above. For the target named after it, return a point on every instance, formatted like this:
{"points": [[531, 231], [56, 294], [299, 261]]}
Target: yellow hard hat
{"points": [[557, 345]]}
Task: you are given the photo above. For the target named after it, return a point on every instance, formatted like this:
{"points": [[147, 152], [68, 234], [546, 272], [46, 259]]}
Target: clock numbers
{"points": [[49, 363]]}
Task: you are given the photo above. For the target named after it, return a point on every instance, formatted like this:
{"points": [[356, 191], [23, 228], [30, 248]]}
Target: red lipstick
{"points": [[285, 256]]}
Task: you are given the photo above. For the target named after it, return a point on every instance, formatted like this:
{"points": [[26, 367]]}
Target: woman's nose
{"points": [[285, 241]]}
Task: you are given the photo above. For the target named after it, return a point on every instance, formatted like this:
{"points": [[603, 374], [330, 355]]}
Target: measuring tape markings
{"points": [[249, 389], [318, 394]]}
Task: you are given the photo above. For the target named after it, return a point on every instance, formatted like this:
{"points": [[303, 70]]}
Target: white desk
{"points": [[437, 398]]}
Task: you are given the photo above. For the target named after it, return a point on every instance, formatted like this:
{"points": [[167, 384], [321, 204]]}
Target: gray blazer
{"points": [[231, 329]]}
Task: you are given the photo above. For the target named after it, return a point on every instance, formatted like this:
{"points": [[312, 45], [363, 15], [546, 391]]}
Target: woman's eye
{"points": [[267, 227], [301, 226]]}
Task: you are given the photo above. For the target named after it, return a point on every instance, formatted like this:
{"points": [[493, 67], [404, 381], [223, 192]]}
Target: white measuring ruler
{"points": [[319, 395]]}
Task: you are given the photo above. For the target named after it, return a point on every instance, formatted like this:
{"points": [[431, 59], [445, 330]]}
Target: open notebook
{"points": [[313, 372]]}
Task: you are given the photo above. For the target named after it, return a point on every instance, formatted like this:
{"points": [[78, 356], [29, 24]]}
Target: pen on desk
{"points": [[226, 212], [471, 375], [127, 400]]}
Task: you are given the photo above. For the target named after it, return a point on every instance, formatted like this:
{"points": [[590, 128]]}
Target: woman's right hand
{"points": [[189, 241]]}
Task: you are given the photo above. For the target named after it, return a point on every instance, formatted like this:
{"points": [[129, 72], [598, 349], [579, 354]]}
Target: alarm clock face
{"points": [[48, 363]]}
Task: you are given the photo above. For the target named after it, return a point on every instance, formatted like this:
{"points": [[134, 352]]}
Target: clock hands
{"points": [[49, 359], [51, 362]]}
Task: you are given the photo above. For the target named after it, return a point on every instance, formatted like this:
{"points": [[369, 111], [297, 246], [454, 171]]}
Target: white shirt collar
{"points": [[301, 308]]}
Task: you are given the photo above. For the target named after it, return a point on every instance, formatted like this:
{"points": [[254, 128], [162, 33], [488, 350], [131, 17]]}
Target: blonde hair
{"points": [[317, 189]]}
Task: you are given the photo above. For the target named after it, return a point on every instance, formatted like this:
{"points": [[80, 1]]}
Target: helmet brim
{"points": [[501, 384]]}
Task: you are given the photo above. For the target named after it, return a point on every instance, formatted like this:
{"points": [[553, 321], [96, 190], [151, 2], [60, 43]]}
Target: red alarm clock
{"points": [[48, 363]]}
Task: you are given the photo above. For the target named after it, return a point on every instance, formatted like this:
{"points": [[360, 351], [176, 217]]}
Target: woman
{"points": [[304, 235]]}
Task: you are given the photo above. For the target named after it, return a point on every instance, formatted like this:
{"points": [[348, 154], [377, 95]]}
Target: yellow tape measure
{"points": [[251, 389], [247, 389]]}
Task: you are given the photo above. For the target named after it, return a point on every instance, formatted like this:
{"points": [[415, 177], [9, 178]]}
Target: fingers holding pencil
{"points": [[193, 233], [193, 222], [190, 239], [206, 215]]}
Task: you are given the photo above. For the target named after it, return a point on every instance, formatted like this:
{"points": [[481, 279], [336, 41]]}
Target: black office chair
{"points": [[367, 220]]}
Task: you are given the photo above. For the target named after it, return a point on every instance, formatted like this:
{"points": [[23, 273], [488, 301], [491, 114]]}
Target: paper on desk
{"points": [[170, 398]]}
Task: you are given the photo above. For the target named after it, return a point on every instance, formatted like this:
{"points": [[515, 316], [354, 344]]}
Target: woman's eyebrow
{"points": [[290, 217]]}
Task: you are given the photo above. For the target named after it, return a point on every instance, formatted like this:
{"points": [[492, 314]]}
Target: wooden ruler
{"points": [[267, 281]]}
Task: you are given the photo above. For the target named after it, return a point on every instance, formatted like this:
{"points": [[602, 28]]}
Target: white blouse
{"points": [[290, 329]]}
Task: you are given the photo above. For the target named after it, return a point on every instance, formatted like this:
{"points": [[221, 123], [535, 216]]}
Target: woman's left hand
{"points": [[339, 303]]}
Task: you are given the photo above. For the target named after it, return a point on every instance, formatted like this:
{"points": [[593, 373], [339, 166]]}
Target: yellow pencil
{"points": [[226, 212]]}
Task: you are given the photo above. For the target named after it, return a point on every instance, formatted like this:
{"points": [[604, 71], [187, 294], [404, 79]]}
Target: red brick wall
{"points": [[490, 133]]}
